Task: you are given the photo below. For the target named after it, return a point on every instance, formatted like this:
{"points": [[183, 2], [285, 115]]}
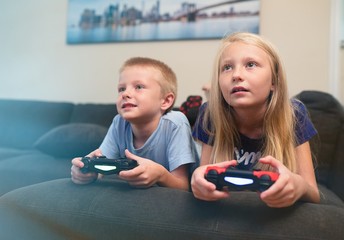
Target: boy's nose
{"points": [[126, 94]]}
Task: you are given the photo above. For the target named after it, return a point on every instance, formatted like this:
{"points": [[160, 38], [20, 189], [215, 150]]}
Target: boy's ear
{"points": [[167, 101]]}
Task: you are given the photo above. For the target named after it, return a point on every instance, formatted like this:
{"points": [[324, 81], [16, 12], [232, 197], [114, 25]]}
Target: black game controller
{"points": [[238, 180], [107, 166]]}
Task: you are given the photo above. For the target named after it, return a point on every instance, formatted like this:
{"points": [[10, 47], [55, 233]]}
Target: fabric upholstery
{"points": [[100, 114], [23, 122], [327, 115], [110, 209], [71, 140], [39, 138]]}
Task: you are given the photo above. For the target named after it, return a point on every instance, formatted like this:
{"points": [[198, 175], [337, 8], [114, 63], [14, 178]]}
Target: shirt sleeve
{"points": [[181, 148], [109, 146], [304, 128], [199, 133]]}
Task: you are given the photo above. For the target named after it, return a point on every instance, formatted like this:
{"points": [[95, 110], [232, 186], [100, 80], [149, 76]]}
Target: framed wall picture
{"points": [[99, 21], [341, 14]]}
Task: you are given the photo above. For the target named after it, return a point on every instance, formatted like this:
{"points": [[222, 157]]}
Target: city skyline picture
{"points": [[101, 21]]}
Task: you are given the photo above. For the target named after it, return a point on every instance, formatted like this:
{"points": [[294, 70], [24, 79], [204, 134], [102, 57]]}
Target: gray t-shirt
{"points": [[170, 145]]}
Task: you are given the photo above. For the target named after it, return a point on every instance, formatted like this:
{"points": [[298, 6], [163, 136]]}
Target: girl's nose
{"points": [[237, 74]]}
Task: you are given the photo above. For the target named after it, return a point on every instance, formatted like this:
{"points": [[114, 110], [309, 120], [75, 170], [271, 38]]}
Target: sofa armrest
{"points": [[327, 115], [110, 209], [336, 177]]}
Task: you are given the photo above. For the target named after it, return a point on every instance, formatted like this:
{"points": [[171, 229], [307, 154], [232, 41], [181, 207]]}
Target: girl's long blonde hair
{"points": [[278, 124]]}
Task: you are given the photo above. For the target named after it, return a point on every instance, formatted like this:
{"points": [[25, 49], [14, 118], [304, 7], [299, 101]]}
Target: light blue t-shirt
{"points": [[170, 145]]}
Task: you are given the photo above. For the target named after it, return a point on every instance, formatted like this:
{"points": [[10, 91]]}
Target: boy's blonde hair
{"points": [[168, 82], [278, 124]]}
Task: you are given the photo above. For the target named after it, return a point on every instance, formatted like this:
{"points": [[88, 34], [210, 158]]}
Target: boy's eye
{"points": [[121, 89], [139, 86]]}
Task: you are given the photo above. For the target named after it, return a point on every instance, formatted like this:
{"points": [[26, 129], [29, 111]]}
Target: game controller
{"points": [[107, 166], [238, 180]]}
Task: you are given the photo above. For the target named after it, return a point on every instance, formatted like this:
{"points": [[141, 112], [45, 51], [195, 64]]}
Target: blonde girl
{"points": [[250, 120]]}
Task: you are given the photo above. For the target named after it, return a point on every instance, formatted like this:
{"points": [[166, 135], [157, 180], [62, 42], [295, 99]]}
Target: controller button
{"points": [[212, 172], [265, 177]]}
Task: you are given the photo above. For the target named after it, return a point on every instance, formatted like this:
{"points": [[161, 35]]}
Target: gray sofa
{"points": [[39, 139], [110, 209]]}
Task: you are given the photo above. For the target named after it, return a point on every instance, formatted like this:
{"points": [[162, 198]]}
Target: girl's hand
{"points": [[205, 190], [146, 174], [286, 190], [79, 177]]}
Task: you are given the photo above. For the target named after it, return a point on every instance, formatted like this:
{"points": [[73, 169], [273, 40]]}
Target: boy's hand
{"points": [[83, 178], [205, 190], [146, 174]]}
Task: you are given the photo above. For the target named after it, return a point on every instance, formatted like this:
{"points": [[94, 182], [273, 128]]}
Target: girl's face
{"points": [[245, 76], [139, 94]]}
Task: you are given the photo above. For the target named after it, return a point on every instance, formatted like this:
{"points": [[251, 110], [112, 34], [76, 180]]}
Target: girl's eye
{"points": [[227, 67], [251, 64]]}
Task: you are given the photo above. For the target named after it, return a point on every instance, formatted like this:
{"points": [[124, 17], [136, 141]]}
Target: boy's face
{"points": [[139, 94]]}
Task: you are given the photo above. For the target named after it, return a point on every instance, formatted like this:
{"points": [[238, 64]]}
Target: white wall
{"points": [[36, 62]]}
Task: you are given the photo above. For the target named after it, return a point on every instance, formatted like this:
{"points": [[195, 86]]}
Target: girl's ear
{"points": [[167, 101]]}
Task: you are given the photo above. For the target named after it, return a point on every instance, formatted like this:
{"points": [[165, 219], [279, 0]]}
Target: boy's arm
{"points": [[148, 173], [177, 178], [81, 178]]}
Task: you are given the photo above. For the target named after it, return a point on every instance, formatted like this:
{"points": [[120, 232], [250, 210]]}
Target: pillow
{"points": [[71, 140]]}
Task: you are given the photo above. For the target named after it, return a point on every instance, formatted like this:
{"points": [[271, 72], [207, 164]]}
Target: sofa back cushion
{"points": [[327, 115], [71, 140], [22, 122], [100, 114]]}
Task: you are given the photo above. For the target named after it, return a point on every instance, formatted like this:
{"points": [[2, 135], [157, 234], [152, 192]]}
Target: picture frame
{"points": [[341, 14], [116, 21]]}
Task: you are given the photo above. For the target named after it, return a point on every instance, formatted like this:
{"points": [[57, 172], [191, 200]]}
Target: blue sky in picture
{"points": [[92, 21], [76, 7]]}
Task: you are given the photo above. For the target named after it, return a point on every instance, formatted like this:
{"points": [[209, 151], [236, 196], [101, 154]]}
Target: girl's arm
{"points": [[306, 171], [201, 188], [205, 154], [291, 187]]}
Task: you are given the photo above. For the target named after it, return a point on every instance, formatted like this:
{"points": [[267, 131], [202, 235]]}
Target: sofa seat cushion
{"points": [[328, 197], [111, 209], [25, 168], [71, 140], [8, 152]]}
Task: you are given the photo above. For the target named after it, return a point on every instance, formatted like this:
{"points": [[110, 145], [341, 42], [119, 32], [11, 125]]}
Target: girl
{"points": [[250, 118]]}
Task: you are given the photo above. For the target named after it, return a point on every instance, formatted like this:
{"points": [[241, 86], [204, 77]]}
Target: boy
{"points": [[146, 130]]}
